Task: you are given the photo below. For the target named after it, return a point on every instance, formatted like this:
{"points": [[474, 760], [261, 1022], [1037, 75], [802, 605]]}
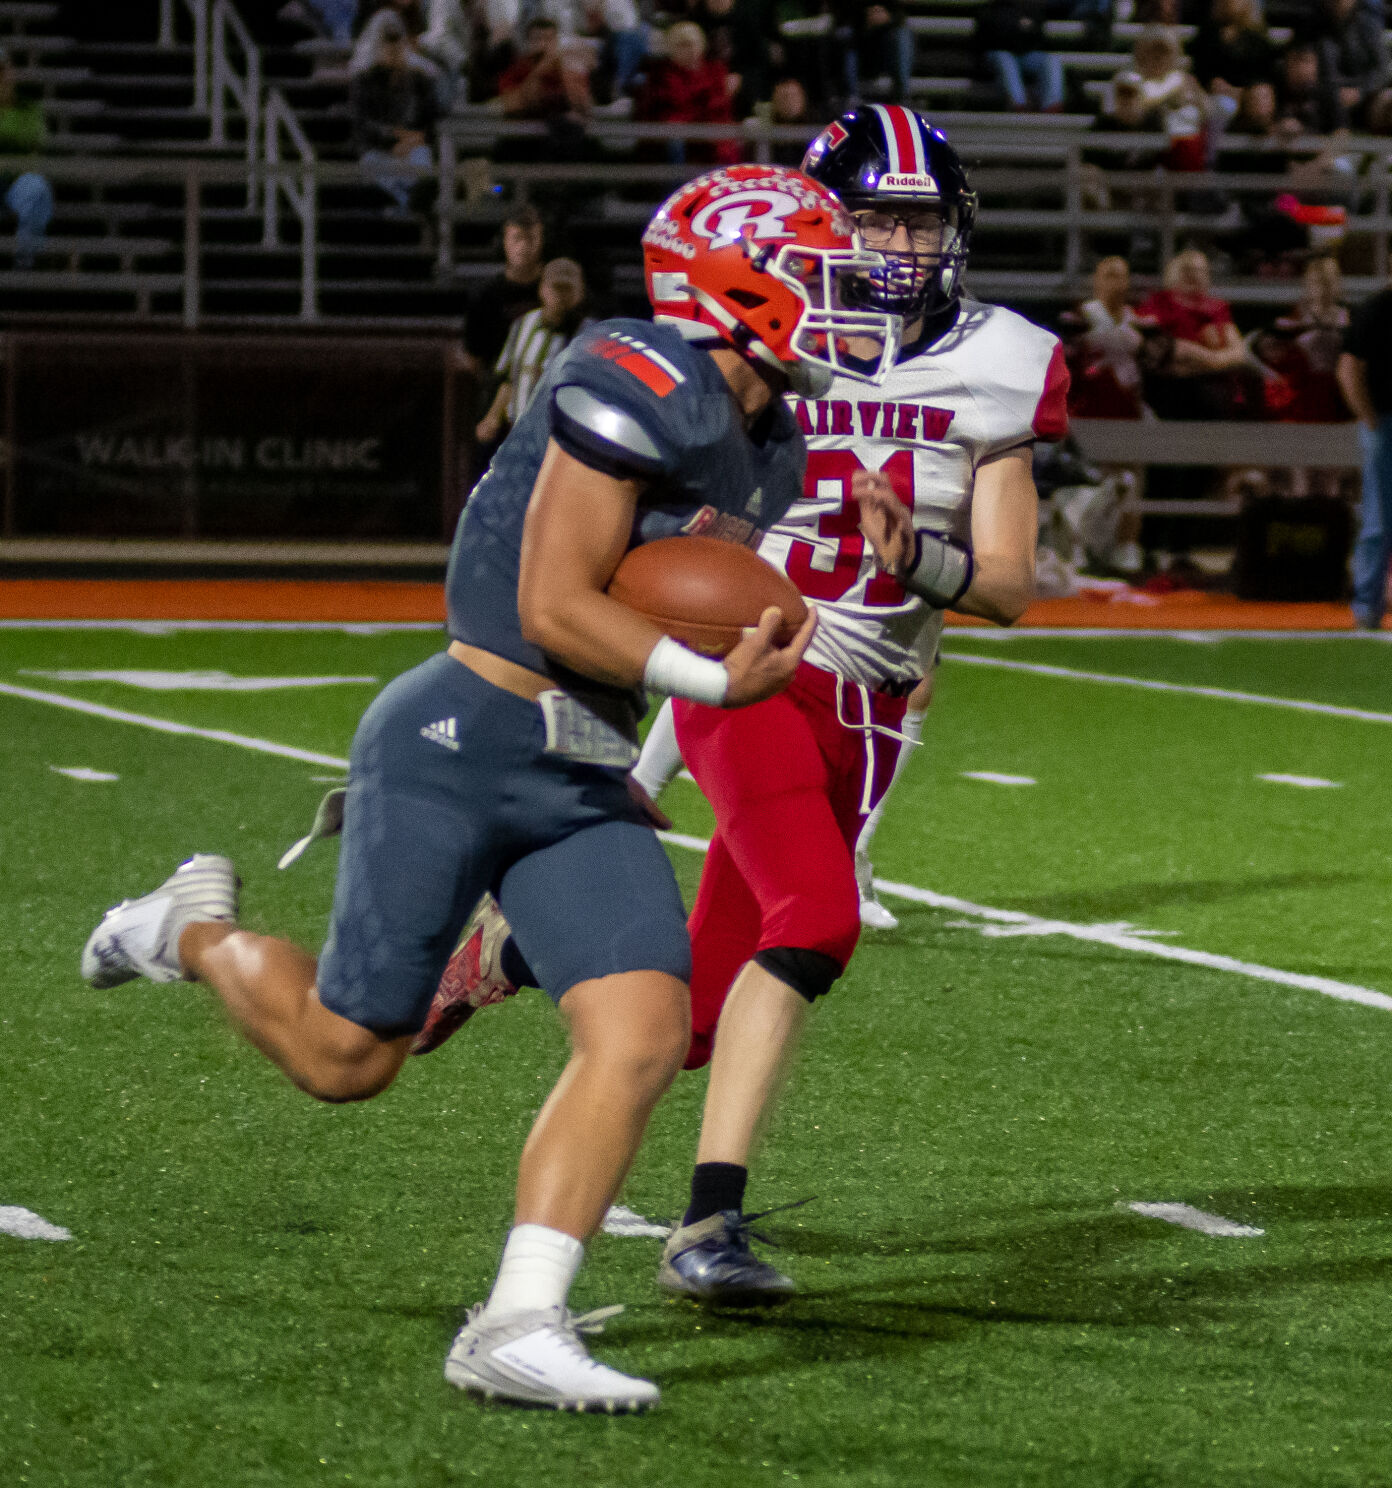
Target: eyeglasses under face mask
{"points": [[877, 229]]}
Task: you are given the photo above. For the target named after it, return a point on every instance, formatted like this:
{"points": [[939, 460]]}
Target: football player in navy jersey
{"points": [[499, 767]]}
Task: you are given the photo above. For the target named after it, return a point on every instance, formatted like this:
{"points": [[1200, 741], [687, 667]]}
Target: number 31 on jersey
{"points": [[807, 562]]}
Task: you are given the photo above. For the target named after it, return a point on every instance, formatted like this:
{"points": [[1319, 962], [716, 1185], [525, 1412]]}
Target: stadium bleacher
{"points": [[129, 242]]}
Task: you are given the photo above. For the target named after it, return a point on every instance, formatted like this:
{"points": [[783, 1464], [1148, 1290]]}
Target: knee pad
{"points": [[809, 973]]}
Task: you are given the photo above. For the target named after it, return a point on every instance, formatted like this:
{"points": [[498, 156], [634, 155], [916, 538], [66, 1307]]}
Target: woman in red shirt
{"points": [[1198, 378], [687, 87]]}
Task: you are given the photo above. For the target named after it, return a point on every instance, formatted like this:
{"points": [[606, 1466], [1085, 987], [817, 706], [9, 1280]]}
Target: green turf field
{"points": [[259, 1292]]}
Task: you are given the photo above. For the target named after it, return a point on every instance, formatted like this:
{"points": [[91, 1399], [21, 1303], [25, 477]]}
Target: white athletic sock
{"points": [[660, 759], [536, 1271], [911, 728]]}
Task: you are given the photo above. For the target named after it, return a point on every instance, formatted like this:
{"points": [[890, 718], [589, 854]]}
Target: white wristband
{"points": [[678, 672]]}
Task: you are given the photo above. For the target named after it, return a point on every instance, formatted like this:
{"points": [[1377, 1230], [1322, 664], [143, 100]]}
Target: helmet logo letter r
{"points": [[729, 218]]}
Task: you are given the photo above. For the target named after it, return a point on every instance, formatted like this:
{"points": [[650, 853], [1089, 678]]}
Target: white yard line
{"points": [[1147, 684], [628, 1223], [1190, 1218], [24, 1224], [169, 726], [1122, 937], [1304, 782], [994, 777], [998, 921]]}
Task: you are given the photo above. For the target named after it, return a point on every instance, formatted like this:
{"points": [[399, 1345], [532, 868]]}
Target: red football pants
{"points": [[791, 785]]}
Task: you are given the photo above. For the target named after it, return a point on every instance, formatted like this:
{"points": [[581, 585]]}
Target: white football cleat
{"points": [[872, 912], [537, 1358], [875, 916], [140, 937]]}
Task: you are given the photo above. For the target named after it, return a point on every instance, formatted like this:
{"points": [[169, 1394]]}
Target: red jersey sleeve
{"points": [[1051, 412]]}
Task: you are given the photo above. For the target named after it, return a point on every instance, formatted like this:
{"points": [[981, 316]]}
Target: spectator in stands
{"points": [[509, 294], [745, 38], [548, 81], [607, 38], [1351, 41], [1010, 35], [1158, 94], [533, 342], [1365, 377], [1307, 101], [685, 86], [1105, 340], [389, 15], [447, 41], [877, 50], [1231, 53], [1197, 375], [29, 196], [788, 106], [394, 112], [1303, 348]]}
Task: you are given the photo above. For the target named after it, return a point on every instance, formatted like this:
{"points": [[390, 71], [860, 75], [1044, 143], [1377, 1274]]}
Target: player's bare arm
{"points": [[999, 574], [577, 529], [1004, 534]]}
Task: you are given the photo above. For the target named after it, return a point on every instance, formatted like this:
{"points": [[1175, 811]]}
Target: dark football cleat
{"points": [[711, 1261], [473, 979]]}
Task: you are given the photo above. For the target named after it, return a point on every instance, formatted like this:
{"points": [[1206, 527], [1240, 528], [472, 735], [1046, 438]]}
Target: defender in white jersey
{"points": [[918, 498]]}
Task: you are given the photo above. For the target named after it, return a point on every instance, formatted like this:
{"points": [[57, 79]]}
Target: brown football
{"points": [[704, 592]]}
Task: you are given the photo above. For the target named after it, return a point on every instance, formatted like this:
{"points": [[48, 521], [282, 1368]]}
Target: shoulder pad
{"points": [[602, 435]]}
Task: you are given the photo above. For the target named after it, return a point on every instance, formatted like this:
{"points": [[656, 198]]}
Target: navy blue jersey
{"points": [[637, 401]]}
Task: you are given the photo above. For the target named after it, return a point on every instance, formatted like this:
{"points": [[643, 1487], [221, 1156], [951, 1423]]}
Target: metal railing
{"points": [[227, 71], [300, 191], [198, 10], [288, 178], [242, 87]]}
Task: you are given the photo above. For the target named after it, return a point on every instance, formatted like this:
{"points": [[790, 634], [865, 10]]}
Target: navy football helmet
{"points": [[887, 163]]}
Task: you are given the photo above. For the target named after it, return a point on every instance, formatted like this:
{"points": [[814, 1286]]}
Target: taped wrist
{"points": [[942, 570], [678, 672]]}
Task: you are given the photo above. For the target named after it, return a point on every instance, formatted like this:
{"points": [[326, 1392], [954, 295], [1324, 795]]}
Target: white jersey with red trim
{"points": [[993, 383]]}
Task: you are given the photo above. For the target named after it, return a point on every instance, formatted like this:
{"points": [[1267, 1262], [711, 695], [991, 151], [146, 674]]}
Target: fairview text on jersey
{"points": [[920, 422]]}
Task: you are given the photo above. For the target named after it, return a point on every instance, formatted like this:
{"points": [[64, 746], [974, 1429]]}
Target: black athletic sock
{"points": [[715, 1186], [513, 965]]}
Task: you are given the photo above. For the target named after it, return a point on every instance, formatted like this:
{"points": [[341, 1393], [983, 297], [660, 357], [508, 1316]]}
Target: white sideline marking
{"points": [[621, 1220], [1125, 938], [1195, 1219], [168, 726], [1225, 694], [155, 681], [27, 1225], [81, 772], [1119, 935], [1120, 938], [993, 777], [1308, 782]]}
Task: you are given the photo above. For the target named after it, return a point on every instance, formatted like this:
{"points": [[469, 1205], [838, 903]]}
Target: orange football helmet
{"points": [[768, 259]]}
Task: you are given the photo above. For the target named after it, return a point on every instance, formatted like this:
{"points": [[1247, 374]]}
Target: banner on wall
{"points": [[230, 437]]}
